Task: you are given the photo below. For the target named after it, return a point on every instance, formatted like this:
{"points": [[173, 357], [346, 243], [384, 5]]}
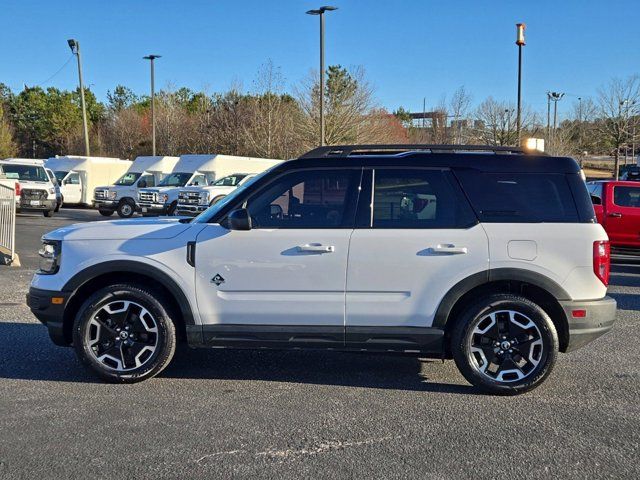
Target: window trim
{"points": [[448, 176], [351, 205]]}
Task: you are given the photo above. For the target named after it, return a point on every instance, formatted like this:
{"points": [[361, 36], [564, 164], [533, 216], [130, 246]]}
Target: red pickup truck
{"points": [[617, 207]]}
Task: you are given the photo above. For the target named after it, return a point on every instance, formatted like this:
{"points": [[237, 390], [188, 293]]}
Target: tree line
{"points": [[268, 121]]}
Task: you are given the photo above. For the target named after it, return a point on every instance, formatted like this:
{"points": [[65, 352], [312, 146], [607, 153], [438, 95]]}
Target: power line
{"points": [[57, 72]]}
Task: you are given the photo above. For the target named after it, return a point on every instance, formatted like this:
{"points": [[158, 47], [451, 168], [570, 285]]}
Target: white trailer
{"points": [[122, 195], [196, 170], [79, 176]]}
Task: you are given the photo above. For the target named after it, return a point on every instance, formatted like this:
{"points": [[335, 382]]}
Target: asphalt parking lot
{"points": [[308, 414]]}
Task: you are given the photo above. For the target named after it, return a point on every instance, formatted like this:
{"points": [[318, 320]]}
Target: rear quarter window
{"points": [[522, 197]]}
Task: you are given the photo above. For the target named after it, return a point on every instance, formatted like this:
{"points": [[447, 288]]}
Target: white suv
{"points": [[490, 256]]}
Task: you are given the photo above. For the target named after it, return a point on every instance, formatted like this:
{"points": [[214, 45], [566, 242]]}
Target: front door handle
{"points": [[449, 248], [616, 215], [316, 248]]}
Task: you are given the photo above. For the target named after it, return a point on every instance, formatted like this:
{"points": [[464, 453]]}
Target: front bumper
{"points": [[51, 315], [183, 209], [599, 319], [43, 205], [105, 204], [153, 208]]}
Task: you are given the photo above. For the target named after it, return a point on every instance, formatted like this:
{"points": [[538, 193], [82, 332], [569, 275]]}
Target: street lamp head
{"points": [[152, 57], [520, 27], [73, 45], [321, 10]]}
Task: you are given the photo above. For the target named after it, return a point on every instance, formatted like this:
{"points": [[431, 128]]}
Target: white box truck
{"points": [[195, 170], [122, 195], [79, 176]]}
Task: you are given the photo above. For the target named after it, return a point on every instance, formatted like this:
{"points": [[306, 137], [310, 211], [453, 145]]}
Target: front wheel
{"points": [[126, 209], [123, 334], [171, 211], [105, 213], [505, 344], [47, 213]]}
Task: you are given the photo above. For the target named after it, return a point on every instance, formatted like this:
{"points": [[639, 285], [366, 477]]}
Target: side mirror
{"points": [[239, 220], [142, 184], [596, 200]]}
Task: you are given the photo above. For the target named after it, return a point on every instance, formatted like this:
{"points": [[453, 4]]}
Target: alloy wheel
{"points": [[122, 335], [505, 346]]}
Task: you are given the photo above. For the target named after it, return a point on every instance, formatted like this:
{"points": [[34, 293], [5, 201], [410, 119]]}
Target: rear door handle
{"points": [[316, 248], [616, 215], [449, 248]]}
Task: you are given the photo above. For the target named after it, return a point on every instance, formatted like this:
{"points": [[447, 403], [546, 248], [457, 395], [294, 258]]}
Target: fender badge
{"points": [[218, 280]]}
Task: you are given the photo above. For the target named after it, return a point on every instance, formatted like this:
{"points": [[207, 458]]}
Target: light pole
{"points": [[520, 27], [556, 97], [74, 45], [320, 12], [548, 116], [151, 59]]}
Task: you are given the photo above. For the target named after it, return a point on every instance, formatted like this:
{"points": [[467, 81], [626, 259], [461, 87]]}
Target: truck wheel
{"points": [[171, 211], [48, 213], [105, 213], [57, 209], [124, 334], [504, 344], [126, 209]]}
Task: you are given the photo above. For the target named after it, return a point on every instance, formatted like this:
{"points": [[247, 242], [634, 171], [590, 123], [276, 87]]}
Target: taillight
{"points": [[18, 192], [602, 260]]}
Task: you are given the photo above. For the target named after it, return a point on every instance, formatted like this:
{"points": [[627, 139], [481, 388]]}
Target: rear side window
{"points": [[626, 196], [416, 198], [520, 197]]}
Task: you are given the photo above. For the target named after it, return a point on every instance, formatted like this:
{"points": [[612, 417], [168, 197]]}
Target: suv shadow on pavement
{"points": [[27, 354]]}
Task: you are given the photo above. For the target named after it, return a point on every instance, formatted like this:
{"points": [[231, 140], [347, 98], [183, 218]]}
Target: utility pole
{"points": [[151, 59], [520, 27], [548, 116], [74, 45], [320, 12]]}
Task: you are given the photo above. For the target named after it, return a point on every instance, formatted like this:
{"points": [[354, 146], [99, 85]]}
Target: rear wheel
{"points": [[123, 334], [505, 344], [105, 213], [126, 209]]}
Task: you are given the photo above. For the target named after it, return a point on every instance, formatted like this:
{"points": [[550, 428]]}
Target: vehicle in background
{"points": [[194, 200], [79, 176], [631, 173], [617, 207], [198, 171], [122, 195], [34, 190], [56, 186]]}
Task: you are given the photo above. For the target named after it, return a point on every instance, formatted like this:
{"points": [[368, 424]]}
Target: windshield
{"points": [[60, 175], [230, 181], [205, 216], [128, 179], [177, 179], [34, 173]]}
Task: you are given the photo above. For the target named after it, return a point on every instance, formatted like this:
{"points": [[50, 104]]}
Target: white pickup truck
{"points": [[34, 190], [194, 200]]}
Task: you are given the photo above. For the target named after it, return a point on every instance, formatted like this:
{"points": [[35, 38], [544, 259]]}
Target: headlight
{"points": [[112, 194], [50, 256], [164, 197], [204, 198], [52, 191]]}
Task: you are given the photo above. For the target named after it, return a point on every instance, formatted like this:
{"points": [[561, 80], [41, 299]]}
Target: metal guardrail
{"points": [[8, 222]]}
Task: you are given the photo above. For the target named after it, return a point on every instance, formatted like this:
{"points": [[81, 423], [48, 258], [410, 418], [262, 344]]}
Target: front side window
{"points": [[198, 180], [307, 199], [230, 181], [626, 196], [176, 179], [415, 198], [72, 179]]}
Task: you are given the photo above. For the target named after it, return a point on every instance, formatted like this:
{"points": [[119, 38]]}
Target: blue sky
{"points": [[410, 49]]}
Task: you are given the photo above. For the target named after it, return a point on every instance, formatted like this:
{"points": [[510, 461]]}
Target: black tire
{"points": [[105, 213], [538, 342], [126, 208], [47, 213], [57, 209], [163, 340]]}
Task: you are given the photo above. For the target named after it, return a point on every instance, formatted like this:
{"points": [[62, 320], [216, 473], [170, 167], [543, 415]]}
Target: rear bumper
{"points": [[44, 206], [598, 320], [51, 315]]}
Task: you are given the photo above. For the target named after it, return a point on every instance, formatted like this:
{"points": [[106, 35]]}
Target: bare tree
{"points": [[459, 107], [495, 123], [618, 108]]}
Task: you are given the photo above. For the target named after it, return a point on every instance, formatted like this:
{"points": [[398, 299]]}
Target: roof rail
{"points": [[341, 151]]}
